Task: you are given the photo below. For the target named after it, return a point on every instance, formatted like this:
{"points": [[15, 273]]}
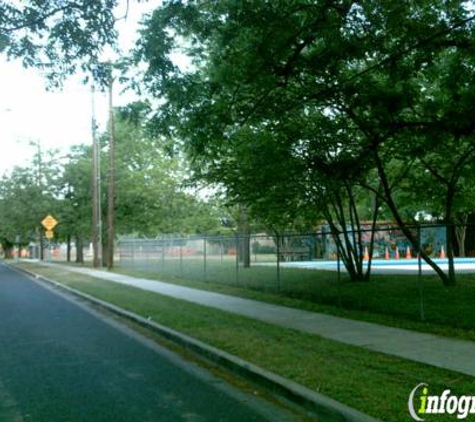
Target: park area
{"points": [[305, 271], [397, 293]]}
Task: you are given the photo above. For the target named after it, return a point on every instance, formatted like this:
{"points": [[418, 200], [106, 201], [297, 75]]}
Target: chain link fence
{"points": [[220, 258], [310, 267]]}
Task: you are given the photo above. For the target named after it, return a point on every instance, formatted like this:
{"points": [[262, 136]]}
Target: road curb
{"points": [[326, 408]]}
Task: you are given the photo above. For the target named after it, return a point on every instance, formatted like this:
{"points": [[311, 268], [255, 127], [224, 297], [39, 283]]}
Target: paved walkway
{"points": [[452, 354]]}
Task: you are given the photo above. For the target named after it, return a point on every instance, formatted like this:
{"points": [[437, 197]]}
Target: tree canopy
{"points": [[59, 37], [151, 197], [290, 103]]}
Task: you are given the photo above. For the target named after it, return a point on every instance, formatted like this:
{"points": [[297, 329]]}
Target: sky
{"points": [[56, 120]]}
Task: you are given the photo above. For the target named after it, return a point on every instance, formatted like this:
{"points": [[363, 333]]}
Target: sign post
{"points": [[49, 223]]}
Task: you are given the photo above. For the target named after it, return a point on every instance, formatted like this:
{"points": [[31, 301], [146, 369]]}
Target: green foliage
{"points": [[336, 95], [27, 195], [151, 198], [24, 202], [57, 36], [75, 190]]}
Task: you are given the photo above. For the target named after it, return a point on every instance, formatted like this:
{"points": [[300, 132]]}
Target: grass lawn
{"points": [[370, 382], [395, 300]]}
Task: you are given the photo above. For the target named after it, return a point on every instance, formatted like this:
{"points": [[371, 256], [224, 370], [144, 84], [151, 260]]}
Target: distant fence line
{"points": [[214, 258], [307, 266], [388, 241]]}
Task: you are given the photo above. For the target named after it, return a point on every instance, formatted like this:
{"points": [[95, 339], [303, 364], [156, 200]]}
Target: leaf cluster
{"points": [[58, 37], [289, 103]]}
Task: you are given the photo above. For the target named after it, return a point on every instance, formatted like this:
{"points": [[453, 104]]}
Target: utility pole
{"points": [[39, 177], [111, 184], [96, 193]]}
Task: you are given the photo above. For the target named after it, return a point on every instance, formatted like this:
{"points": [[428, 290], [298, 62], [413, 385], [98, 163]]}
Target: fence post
{"points": [[237, 258], [134, 249], [419, 275], [204, 257], [181, 258], [338, 266], [162, 241], [221, 248], [146, 256], [278, 262]]}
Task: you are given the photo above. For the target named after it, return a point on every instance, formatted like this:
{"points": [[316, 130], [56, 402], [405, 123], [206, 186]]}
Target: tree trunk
{"points": [[79, 250], [104, 251], [449, 232], [244, 249], [388, 199], [348, 241], [347, 254], [42, 247], [68, 248], [460, 234], [8, 251], [373, 229]]}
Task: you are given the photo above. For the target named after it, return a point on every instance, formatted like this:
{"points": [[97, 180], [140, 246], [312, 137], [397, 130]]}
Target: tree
{"points": [[372, 82], [151, 197], [408, 109], [75, 189], [24, 203], [231, 111]]}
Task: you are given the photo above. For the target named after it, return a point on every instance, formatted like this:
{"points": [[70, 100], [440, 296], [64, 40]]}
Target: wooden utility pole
{"points": [[39, 176], [96, 202], [111, 184]]}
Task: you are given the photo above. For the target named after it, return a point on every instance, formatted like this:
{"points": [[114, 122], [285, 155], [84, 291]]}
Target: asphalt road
{"points": [[62, 361]]}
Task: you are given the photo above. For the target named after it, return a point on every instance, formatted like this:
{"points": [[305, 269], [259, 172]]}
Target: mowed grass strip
{"points": [[371, 382], [393, 300]]}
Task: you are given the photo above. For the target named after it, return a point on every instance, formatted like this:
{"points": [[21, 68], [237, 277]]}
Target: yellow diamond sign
{"points": [[49, 222]]}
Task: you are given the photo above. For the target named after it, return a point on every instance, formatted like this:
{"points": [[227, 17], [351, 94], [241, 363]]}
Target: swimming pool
{"points": [[390, 266]]}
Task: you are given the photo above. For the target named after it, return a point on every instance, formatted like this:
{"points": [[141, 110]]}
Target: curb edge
{"points": [[323, 406]]}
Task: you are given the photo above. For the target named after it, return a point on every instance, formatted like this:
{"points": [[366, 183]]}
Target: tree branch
{"points": [[25, 23]]}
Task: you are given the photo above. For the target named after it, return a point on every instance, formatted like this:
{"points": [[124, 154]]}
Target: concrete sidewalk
{"points": [[455, 355]]}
